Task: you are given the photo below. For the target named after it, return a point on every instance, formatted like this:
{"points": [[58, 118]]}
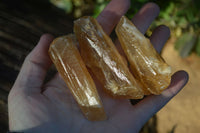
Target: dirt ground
{"points": [[183, 113]]}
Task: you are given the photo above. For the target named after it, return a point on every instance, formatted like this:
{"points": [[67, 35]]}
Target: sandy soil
{"points": [[183, 112]]}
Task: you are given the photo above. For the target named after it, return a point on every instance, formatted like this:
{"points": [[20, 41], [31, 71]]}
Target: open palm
{"points": [[50, 107]]}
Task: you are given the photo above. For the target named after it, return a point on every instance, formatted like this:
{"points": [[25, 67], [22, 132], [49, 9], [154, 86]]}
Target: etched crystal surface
{"points": [[71, 67], [102, 57], [146, 64]]}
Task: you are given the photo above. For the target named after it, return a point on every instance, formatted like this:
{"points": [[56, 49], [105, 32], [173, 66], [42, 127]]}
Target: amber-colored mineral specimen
{"points": [[102, 57], [146, 64], [71, 67]]}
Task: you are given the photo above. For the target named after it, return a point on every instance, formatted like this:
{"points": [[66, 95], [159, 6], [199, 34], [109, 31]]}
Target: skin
{"points": [[37, 107]]}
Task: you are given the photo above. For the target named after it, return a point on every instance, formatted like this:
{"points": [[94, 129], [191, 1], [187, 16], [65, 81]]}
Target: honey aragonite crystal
{"points": [[71, 67], [101, 56], [146, 64]]}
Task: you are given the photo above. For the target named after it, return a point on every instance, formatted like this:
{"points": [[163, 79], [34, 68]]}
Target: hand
{"points": [[38, 107]]}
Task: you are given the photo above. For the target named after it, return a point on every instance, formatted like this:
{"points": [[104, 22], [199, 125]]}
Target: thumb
{"points": [[34, 68]]}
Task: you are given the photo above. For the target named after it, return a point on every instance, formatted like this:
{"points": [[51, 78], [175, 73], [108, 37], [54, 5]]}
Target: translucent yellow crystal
{"points": [[102, 57], [146, 64], [69, 64]]}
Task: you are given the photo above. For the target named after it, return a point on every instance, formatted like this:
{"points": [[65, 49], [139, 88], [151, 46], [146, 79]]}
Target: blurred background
{"points": [[22, 22]]}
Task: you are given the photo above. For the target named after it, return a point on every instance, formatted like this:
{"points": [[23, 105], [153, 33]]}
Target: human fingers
{"points": [[110, 16], [159, 37], [146, 15], [146, 108], [35, 65]]}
